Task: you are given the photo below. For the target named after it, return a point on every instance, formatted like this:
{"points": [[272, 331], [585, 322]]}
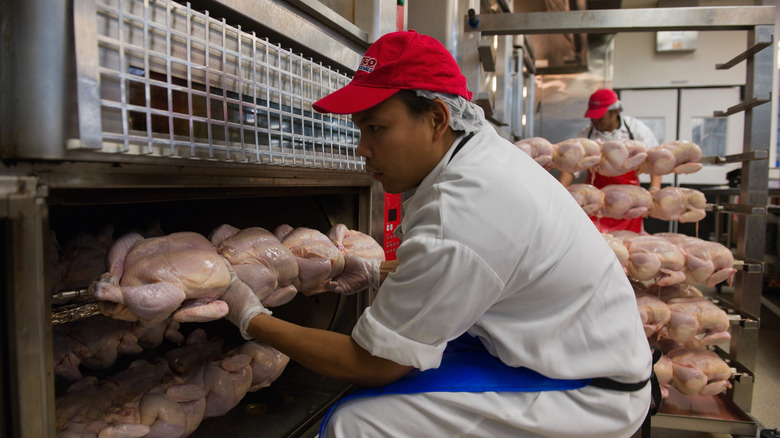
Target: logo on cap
{"points": [[367, 64]]}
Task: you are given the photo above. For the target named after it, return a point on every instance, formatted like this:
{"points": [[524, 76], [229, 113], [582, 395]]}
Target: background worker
{"points": [[608, 123]]}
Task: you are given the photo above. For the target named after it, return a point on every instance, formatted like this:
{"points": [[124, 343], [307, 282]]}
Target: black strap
{"points": [[607, 383], [460, 145]]}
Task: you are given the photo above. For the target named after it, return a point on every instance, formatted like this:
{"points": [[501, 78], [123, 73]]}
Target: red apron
{"points": [[605, 224]]}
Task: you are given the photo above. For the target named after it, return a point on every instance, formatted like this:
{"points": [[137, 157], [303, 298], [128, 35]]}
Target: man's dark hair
{"points": [[417, 105]]}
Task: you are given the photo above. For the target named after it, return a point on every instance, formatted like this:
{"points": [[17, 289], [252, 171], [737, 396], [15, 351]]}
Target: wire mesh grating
{"points": [[175, 82]]}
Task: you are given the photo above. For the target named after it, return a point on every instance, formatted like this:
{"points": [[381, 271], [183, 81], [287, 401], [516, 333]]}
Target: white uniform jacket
{"points": [[629, 127], [495, 246]]}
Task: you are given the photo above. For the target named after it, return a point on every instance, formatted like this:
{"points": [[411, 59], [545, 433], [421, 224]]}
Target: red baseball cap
{"points": [[397, 61], [599, 103]]}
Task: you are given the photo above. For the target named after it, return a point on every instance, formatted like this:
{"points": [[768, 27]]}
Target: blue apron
{"points": [[466, 366]]}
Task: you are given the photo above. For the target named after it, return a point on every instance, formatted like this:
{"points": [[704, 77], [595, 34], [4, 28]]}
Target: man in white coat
{"points": [[508, 314]]}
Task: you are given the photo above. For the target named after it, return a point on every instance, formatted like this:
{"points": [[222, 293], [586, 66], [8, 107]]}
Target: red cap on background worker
{"points": [[600, 102]]}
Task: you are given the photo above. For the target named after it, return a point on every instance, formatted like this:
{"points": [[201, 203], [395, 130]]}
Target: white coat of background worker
{"points": [[608, 123], [500, 271]]}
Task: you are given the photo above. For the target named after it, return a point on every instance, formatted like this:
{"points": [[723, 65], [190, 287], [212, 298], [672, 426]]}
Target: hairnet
{"points": [[464, 115]]}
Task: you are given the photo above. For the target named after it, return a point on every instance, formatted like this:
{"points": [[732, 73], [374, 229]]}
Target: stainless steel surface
{"points": [[761, 154], [34, 75], [559, 53], [28, 380], [174, 82], [277, 16], [625, 20]]}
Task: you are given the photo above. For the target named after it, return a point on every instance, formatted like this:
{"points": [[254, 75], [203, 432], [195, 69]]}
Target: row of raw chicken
{"points": [[664, 269], [683, 324], [152, 284], [614, 157], [184, 274], [170, 396], [625, 201]]}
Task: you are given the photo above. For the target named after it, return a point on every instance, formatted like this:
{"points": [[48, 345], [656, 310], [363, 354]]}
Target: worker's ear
{"points": [[440, 118]]}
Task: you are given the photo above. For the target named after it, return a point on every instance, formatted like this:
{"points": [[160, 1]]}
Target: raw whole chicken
{"points": [[625, 201], [621, 156], [678, 156], [319, 260], [666, 293], [654, 312], [362, 256], [664, 372], [588, 197], [225, 381], [97, 342], [620, 249], [196, 351], [697, 321], [150, 279], [260, 260], [576, 154], [538, 148], [267, 363], [172, 409], [678, 204], [699, 371], [706, 262], [651, 257], [151, 399]]}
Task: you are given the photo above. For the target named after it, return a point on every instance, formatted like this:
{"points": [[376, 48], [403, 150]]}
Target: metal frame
{"points": [[759, 23], [53, 151]]}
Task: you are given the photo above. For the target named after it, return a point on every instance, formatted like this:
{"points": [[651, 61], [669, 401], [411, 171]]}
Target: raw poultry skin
{"points": [[319, 261], [362, 257], [149, 279], [653, 257], [260, 260], [590, 198], [621, 156], [619, 248], [664, 372], [625, 201], [678, 156], [697, 321], [655, 313], [678, 204], [155, 400], [706, 262], [97, 342], [699, 371], [538, 148], [576, 154]]}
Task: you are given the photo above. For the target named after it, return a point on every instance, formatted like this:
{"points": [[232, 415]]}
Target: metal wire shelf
{"points": [[156, 78]]}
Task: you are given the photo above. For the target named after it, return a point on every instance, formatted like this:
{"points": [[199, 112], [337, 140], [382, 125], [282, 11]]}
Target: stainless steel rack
{"points": [[139, 103], [759, 58]]}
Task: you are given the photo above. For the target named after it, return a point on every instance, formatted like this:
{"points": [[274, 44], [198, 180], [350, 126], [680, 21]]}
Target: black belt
{"points": [[607, 383]]}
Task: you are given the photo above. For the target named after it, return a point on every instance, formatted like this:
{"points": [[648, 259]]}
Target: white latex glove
{"points": [[243, 304]]}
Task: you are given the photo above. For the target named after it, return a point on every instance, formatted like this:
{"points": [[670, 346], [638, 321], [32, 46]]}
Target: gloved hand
{"points": [[243, 304]]}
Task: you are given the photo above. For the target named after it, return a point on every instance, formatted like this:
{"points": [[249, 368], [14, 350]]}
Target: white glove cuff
{"points": [[246, 317]]}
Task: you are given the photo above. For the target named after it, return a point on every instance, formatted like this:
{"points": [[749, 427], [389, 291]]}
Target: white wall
{"points": [[637, 65]]}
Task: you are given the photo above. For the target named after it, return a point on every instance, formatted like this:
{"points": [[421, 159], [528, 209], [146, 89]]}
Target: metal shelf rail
{"points": [[759, 24]]}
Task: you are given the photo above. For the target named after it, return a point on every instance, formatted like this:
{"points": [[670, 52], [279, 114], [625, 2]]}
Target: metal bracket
{"points": [[761, 154], [750, 103]]}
